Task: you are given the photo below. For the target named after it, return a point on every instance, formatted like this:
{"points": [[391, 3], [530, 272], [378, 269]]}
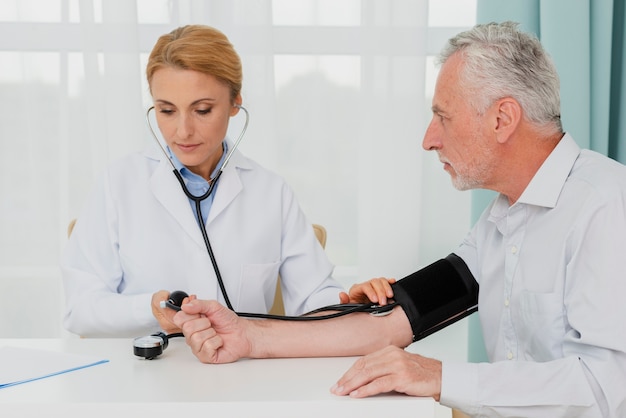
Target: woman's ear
{"points": [[508, 117], [236, 105]]}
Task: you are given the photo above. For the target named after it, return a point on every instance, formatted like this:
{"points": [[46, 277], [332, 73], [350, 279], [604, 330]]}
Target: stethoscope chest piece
{"points": [[149, 346]]}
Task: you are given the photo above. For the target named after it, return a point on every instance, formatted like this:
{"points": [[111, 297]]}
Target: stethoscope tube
{"points": [[198, 199], [226, 160], [339, 310]]}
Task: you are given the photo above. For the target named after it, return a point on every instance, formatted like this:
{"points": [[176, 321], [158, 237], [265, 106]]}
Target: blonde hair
{"points": [[198, 48]]}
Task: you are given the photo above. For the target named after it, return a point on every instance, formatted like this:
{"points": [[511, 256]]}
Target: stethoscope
{"points": [[198, 199], [150, 347], [340, 309]]}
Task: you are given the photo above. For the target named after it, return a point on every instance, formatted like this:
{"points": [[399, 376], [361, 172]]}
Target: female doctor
{"points": [[138, 237]]}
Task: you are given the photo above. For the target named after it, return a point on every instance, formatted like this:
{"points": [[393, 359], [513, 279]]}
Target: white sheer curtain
{"points": [[339, 97]]}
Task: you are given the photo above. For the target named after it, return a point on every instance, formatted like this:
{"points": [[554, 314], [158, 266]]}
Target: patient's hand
{"points": [[376, 290]]}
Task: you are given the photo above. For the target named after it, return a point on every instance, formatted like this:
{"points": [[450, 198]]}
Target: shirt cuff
{"points": [[459, 386]]}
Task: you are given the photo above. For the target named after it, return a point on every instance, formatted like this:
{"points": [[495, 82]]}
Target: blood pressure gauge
{"points": [[149, 346], [152, 346]]}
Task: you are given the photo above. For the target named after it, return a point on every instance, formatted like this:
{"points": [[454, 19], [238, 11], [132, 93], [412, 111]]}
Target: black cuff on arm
{"points": [[437, 295]]}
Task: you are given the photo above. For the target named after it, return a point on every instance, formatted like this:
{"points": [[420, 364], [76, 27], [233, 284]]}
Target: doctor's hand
{"points": [[391, 369], [214, 333], [376, 290], [165, 316]]}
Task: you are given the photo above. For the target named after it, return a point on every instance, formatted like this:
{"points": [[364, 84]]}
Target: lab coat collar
{"points": [[166, 189], [230, 184], [168, 192]]}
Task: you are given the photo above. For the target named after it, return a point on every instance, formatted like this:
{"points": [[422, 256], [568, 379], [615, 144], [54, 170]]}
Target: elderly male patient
{"points": [[547, 254]]}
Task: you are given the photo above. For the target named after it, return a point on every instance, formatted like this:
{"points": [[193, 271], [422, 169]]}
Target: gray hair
{"points": [[501, 61]]}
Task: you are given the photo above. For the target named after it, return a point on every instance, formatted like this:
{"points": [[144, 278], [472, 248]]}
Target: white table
{"points": [[177, 383]]}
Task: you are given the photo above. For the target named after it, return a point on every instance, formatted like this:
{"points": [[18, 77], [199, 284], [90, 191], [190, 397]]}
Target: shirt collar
{"points": [[188, 174], [546, 185]]}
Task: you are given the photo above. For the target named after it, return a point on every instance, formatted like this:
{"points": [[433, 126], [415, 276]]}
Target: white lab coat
{"points": [[138, 235]]}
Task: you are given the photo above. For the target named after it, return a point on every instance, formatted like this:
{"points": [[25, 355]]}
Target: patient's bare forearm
{"points": [[350, 335]]}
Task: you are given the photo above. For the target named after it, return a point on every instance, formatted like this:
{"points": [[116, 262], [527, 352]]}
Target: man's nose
{"points": [[431, 139]]}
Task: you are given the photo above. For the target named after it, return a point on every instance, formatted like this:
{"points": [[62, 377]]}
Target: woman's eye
{"points": [[204, 111], [166, 111]]}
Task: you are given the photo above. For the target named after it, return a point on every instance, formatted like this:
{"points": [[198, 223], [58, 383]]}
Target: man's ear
{"points": [[508, 114]]}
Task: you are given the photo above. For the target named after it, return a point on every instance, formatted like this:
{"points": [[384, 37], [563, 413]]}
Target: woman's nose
{"points": [[184, 126]]}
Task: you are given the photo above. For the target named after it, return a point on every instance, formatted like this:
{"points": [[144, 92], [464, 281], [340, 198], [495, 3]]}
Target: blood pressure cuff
{"points": [[437, 295]]}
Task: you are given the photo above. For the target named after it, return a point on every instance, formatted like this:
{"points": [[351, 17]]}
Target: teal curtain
{"points": [[586, 40]]}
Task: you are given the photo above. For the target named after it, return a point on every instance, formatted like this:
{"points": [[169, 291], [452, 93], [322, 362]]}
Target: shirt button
{"points": [[509, 355], [506, 302], [514, 250]]}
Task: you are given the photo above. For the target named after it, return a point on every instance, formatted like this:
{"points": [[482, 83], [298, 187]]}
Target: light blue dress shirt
{"points": [[197, 185], [551, 304]]}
